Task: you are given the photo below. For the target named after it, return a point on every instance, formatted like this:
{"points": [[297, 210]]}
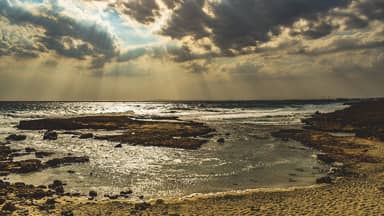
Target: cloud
{"points": [[234, 25], [67, 36]]}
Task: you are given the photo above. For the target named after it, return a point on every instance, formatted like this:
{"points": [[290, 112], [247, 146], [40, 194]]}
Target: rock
{"points": [[23, 166], [67, 213], [221, 140], [325, 158], [8, 207], [159, 202], [86, 136], [70, 171], [2, 201], [50, 135], [15, 137], [57, 186], [30, 149], [49, 204], [118, 146], [42, 154], [141, 197], [324, 180], [142, 206], [66, 160], [115, 196], [92, 194], [126, 192]]}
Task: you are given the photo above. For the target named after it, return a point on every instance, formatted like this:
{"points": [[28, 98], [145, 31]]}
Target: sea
{"points": [[250, 158]]}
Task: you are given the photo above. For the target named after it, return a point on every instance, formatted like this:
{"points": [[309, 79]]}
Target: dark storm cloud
{"points": [[63, 34], [237, 24], [144, 11], [188, 20]]}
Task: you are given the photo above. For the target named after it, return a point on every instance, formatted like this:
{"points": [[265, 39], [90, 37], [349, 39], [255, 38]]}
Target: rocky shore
{"points": [[162, 132], [350, 141]]}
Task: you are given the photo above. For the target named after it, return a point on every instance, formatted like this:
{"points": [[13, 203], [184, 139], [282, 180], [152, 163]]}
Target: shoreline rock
{"points": [[186, 135]]}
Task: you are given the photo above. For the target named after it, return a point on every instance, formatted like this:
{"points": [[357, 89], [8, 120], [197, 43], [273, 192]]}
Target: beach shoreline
{"points": [[356, 171]]}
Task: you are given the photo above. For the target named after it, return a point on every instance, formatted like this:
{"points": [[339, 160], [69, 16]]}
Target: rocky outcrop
{"points": [[65, 160], [137, 132], [365, 119], [16, 137]]}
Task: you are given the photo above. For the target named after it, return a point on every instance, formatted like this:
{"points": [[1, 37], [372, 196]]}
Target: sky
{"points": [[191, 49]]}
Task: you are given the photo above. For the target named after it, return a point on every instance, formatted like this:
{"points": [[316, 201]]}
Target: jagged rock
{"points": [[86, 136], [50, 135], [15, 137]]}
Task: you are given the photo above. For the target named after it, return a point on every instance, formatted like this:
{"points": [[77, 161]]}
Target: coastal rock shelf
{"points": [[164, 133], [365, 119]]}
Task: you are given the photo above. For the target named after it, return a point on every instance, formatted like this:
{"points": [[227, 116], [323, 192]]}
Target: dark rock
{"points": [[92, 194], [86, 136], [23, 166], [115, 196], [299, 169], [19, 184], [70, 171], [126, 192], [221, 140], [42, 154], [324, 180], [50, 135], [8, 207], [159, 202], [118, 146], [30, 149], [2, 201], [15, 137], [142, 206], [67, 213], [146, 133], [66, 160], [49, 204], [325, 158], [57, 186], [141, 197]]}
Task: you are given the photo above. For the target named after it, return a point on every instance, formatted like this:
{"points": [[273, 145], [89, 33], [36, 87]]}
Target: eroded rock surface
{"points": [[174, 134]]}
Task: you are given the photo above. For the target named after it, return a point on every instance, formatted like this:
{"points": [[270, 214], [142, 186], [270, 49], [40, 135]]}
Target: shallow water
{"points": [[249, 158]]}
